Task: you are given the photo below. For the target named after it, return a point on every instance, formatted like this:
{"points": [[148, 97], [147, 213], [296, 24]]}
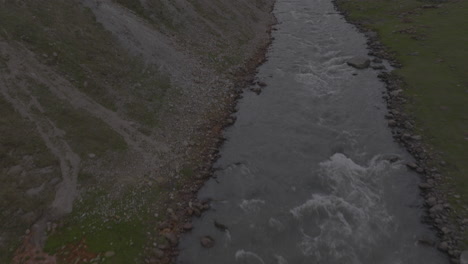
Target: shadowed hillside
{"points": [[109, 109]]}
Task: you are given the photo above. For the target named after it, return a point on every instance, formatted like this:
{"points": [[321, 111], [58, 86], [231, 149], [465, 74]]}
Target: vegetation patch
{"points": [[112, 229]]}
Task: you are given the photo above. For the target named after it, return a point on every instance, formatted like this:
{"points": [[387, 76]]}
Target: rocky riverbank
{"points": [[447, 220], [187, 205]]}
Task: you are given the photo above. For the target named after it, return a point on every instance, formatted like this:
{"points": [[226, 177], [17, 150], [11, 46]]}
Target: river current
{"points": [[309, 172]]}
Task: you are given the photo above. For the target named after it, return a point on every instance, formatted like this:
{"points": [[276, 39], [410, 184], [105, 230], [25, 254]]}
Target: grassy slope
{"points": [[66, 37], [433, 52]]}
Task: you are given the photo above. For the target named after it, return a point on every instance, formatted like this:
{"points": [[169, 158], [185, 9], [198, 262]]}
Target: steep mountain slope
{"points": [[108, 108]]}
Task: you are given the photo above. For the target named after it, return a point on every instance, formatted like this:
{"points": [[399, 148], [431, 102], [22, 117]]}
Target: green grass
{"points": [[119, 224], [431, 45]]}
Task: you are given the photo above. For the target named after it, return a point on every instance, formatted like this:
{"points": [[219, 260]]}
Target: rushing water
{"points": [[305, 175]]}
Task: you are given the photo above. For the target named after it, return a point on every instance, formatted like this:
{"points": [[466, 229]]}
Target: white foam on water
{"points": [[252, 205], [227, 238], [248, 257], [281, 259], [276, 224], [341, 224]]}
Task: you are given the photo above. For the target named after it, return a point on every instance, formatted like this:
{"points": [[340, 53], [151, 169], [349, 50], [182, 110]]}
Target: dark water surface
{"points": [[305, 176]]}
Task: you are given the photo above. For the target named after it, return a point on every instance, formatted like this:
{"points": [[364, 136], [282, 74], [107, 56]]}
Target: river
{"points": [[309, 172]]}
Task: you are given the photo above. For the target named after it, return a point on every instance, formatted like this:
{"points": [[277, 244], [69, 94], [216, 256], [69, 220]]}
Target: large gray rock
{"points": [[359, 62], [464, 257]]}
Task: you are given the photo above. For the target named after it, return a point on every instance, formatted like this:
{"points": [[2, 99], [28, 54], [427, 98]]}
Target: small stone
{"points": [[392, 123], [187, 226], [220, 226], [207, 242], [261, 84], [425, 186], [378, 67], [426, 241], [109, 254], [431, 201], [436, 209], [412, 165], [443, 246], [359, 62], [91, 155], [172, 238], [445, 230], [158, 253]]}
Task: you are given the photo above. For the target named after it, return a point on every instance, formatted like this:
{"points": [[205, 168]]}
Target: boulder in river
{"points": [[207, 242], [359, 62]]}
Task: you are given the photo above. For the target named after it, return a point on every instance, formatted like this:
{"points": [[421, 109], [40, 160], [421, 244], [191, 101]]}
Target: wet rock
{"points": [[445, 230], [425, 186], [359, 62], [207, 242], [443, 246], [187, 226], [379, 67], [172, 238], [426, 242], [436, 209], [392, 123], [412, 165], [220, 226], [256, 90], [431, 201]]}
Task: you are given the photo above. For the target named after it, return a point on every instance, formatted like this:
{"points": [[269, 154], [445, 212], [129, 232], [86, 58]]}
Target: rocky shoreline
{"points": [[185, 205], [440, 214]]}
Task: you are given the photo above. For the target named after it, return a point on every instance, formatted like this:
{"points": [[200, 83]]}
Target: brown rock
{"points": [[207, 242], [172, 238], [187, 226]]}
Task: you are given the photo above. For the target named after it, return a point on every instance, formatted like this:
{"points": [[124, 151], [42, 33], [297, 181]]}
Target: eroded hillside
{"points": [[109, 110]]}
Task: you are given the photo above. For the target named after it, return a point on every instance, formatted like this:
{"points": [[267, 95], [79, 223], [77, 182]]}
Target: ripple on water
{"points": [[348, 218]]}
